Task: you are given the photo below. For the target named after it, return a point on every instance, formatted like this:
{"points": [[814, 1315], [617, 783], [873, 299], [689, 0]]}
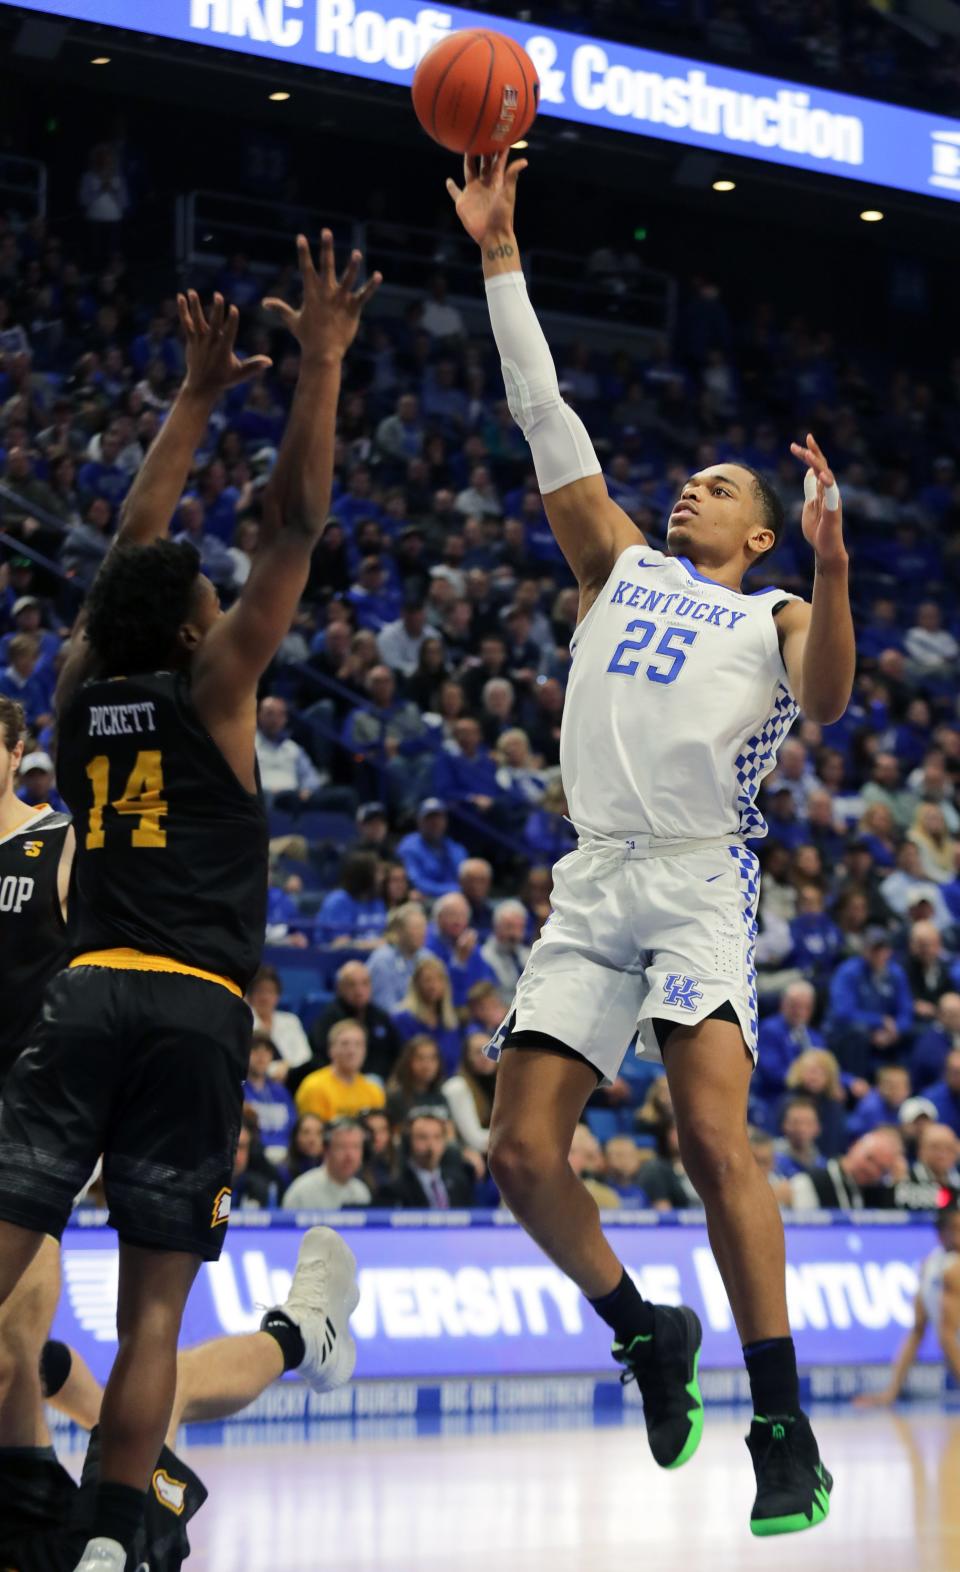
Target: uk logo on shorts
{"points": [[682, 991]]}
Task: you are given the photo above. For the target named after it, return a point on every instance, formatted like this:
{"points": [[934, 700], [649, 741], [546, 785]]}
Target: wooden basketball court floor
{"points": [[530, 1495]]}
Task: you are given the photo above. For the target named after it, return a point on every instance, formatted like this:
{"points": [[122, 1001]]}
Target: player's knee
{"points": [[713, 1156], [518, 1162]]}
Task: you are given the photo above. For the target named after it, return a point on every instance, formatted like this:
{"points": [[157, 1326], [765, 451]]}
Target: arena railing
{"points": [[619, 312]]}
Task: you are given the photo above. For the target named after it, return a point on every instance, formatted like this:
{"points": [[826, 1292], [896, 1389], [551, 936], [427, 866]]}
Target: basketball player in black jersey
{"points": [[145, 1036]]}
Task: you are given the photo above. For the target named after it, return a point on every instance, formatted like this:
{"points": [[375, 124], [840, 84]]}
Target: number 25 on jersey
{"points": [[625, 667], [142, 799]]}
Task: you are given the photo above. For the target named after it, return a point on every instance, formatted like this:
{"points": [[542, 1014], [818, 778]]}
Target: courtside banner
{"points": [[589, 80], [478, 1300]]}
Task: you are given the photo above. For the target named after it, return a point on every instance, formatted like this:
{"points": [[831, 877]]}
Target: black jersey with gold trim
{"points": [[32, 934], [171, 852]]}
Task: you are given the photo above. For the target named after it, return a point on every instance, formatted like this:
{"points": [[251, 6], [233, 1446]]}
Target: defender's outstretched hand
{"points": [[486, 203], [212, 364], [326, 324], [822, 525]]}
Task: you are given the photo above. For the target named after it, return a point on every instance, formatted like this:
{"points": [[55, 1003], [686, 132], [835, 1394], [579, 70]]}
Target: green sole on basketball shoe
{"points": [[695, 1416], [796, 1522]]}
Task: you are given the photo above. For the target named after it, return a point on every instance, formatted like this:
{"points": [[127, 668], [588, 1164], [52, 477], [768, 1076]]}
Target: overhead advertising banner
{"points": [[481, 1301], [587, 80]]}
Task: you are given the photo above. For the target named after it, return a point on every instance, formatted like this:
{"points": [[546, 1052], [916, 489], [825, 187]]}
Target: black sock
{"points": [[56, 1362], [625, 1311], [287, 1335], [774, 1384], [118, 1513]]}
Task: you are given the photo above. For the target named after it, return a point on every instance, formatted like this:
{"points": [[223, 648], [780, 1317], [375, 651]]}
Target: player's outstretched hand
{"points": [[326, 324], [486, 203], [213, 365], [822, 525]]}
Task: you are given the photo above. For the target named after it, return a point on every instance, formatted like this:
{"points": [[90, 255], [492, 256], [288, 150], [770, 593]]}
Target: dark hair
{"points": [[297, 1162], [358, 875], [139, 600], [266, 974], [770, 504], [13, 722]]}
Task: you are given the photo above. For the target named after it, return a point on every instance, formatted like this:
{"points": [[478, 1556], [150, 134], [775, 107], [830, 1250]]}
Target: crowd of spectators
{"points": [[408, 734], [881, 50]]}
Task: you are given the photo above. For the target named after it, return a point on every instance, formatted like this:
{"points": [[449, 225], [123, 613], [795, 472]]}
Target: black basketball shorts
{"points": [[46, 1519], [145, 1069]]}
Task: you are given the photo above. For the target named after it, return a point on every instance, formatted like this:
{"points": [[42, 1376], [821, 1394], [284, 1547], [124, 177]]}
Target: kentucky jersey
{"points": [[931, 1282], [677, 702], [32, 934], [171, 853]]}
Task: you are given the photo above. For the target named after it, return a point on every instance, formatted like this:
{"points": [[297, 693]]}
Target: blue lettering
{"points": [[617, 597], [639, 590], [667, 599], [684, 606], [716, 613], [735, 617], [653, 600], [700, 611]]}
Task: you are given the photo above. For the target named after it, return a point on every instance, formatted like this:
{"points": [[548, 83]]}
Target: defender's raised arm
{"points": [[591, 529]]}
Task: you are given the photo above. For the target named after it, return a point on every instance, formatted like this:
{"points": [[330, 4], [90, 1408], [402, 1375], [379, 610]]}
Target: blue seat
{"points": [[319, 826], [312, 1005]]}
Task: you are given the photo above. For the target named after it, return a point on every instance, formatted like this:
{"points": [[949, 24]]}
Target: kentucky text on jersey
{"points": [[121, 720], [642, 598]]}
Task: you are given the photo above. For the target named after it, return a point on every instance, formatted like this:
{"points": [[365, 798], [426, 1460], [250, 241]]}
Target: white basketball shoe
{"points": [[323, 1297], [103, 1555]]}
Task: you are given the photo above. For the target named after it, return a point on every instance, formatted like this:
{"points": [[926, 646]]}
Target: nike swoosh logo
{"points": [[713, 875], [643, 563]]}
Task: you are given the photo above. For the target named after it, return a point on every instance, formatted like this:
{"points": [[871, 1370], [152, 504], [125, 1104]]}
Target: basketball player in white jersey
{"points": [[681, 689], [937, 1304]]}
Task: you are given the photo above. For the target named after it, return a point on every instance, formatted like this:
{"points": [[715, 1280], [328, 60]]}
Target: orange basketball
{"points": [[476, 92]]}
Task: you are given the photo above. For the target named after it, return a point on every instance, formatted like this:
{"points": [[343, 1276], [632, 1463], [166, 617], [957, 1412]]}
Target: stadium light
{"points": [[279, 98], [100, 60], [724, 185], [871, 215]]}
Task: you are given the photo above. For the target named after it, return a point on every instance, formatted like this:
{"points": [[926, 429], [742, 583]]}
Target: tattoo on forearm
{"points": [[497, 253]]}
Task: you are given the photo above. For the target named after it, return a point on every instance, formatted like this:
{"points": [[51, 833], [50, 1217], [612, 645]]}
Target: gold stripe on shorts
{"points": [[140, 961]]}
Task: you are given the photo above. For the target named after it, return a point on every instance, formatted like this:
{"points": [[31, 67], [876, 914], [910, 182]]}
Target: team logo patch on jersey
{"points": [[171, 1493], [221, 1207], [681, 991], [32, 848]]}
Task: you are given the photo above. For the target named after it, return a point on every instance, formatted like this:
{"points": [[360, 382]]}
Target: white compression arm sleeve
{"points": [[562, 450]]}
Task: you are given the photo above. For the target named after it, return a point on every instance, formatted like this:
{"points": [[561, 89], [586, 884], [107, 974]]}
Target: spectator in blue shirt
{"points": [[157, 344], [36, 782], [932, 1046], [796, 1149], [467, 773], [882, 1104], [427, 1006], [274, 1107], [354, 913], [28, 681], [782, 1038], [457, 944], [215, 558], [105, 477], [374, 602], [817, 941], [392, 965], [871, 1010], [431, 859], [945, 1094], [27, 617]]}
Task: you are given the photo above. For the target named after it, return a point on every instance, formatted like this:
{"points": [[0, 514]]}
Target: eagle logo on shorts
{"points": [[171, 1493], [221, 1207], [32, 848], [681, 991]]}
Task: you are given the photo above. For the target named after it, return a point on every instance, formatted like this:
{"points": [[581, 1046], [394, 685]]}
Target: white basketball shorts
{"points": [[634, 938]]}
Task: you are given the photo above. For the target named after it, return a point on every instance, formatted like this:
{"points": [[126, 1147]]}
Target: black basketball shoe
{"points": [[664, 1366], [793, 1487]]}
